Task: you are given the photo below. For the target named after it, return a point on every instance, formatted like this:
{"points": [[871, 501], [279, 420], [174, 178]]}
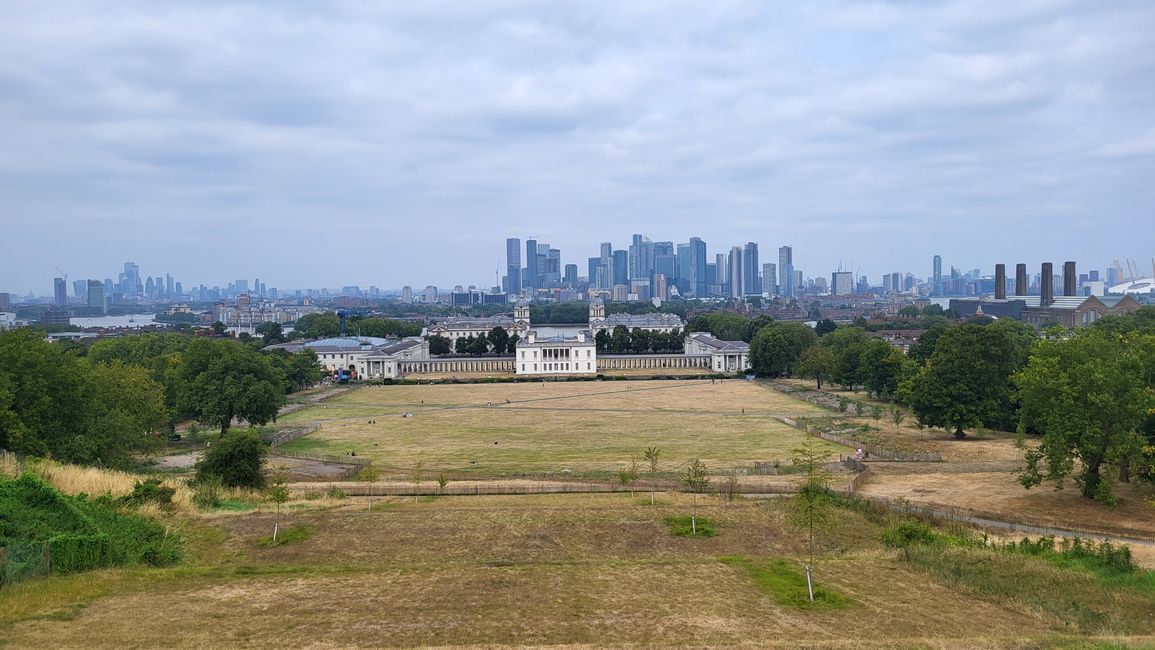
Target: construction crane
{"points": [[65, 275]]}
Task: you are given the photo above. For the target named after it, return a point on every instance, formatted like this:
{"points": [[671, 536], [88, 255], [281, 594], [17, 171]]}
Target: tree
{"points": [[880, 367], [602, 341], [1087, 396], [755, 325], [897, 415], [812, 508], [921, 350], [620, 340], [652, 456], [847, 344], [628, 474], [320, 325], [697, 480], [223, 380], [876, 412], [478, 345], [461, 345], [967, 380], [816, 362], [53, 403], [278, 493], [500, 339], [824, 327], [776, 347], [723, 326], [236, 459], [218, 328], [438, 345], [271, 333]]}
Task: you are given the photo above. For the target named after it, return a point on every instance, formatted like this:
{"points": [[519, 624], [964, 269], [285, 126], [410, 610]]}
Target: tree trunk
{"points": [[958, 432], [1091, 479]]}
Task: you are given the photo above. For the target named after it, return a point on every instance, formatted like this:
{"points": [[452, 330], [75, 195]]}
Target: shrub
{"points": [[149, 491], [335, 492], [237, 459], [207, 492]]}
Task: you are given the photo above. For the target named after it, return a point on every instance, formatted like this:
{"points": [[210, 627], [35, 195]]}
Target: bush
{"points": [[150, 491], [908, 533], [207, 492], [80, 533], [237, 459]]}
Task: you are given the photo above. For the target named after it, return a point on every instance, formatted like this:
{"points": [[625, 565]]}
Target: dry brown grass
{"points": [[572, 570], [555, 428], [94, 481], [998, 494]]}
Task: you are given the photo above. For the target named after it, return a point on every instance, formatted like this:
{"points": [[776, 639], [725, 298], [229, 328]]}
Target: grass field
{"points": [[550, 428], [579, 570]]}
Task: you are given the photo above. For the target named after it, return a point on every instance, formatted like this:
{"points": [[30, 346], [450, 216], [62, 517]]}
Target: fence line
{"points": [[466, 489], [1003, 522], [289, 434], [326, 458]]}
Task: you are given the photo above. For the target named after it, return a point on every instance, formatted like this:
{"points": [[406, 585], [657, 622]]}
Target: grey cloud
{"points": [[274, 133]]}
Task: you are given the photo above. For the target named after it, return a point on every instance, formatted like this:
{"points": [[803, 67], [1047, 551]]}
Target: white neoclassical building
{"points": [[725, 356], [557, 355]]}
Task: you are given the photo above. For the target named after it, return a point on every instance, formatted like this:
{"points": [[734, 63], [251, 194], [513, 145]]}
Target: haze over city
{"points": [[354, 143]]}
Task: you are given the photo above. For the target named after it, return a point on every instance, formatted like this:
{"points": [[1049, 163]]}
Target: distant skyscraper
{"points": [[531, 270], [841, 283], [735, 274], [936, 277], [131, 285], [682, 269], [722, 272], [513, 265], [60, 291], [697, 277], [751, 283], [406, 294], [571, 276], [770, 278], [96, 295], [621, 267], [595, 273], [786, 271], [641, 258]]}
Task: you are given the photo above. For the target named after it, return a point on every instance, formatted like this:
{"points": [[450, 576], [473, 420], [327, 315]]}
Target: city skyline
{"points": [[877, 134]]}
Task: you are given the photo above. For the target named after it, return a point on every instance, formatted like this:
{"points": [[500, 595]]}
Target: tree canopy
{"points": [[966, 382], [55, 403], [222, 380], [1089, 395]]}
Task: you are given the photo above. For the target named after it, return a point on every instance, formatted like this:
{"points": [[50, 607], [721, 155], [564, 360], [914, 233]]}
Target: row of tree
{"points": [[639, 341], [121, 396], [1088, 394], [327, 325], [497, 341]]}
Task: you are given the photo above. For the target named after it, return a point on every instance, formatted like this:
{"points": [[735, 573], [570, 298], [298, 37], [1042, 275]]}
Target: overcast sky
{"points": [[327, 143]]}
